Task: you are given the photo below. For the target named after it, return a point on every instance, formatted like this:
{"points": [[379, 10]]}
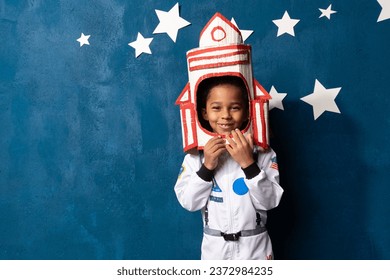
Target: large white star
{"points": [[286, 24], [244, 33], [83, 40], [322, 99], [141, 45], [385, 12], [277, 99], [327, 12], [170, 22]]}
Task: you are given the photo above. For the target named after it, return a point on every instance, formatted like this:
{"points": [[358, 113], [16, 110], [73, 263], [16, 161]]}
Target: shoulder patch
{"points": [[182, 169], [274, 163]]}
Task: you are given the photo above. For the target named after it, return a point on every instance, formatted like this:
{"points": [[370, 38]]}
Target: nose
{"points": [[226, 113]]}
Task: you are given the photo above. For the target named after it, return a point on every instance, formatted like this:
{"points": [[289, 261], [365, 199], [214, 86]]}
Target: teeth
{"points": [[225, 125]]}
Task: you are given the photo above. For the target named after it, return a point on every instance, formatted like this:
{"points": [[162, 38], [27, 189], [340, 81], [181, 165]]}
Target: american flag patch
{"points": [[274, 163]]}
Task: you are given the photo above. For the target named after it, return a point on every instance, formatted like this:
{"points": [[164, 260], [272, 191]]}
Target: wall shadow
{"points": [[323, 212]]}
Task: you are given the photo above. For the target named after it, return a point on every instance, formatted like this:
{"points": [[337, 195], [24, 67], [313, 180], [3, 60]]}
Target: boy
{"points": [[230, 184]]}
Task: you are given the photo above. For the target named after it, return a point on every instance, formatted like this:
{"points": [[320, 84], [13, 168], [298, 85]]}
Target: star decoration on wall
{"points": [[244, 33], [286, 24], [276, 100], [141, 45], [327, 12], [83, 40], [170, 22], [385, 12], [322, 99]]}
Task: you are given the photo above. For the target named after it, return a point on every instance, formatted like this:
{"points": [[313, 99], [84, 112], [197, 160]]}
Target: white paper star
{"points": [[277, 98], [83, 40], [244, 33], [141, 45], [385, 12], [322, 99], [286, 24], [327, 12], [170, 22]]}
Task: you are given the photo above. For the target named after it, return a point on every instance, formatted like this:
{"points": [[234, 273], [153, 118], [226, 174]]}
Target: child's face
{"points": [[225, 109]]}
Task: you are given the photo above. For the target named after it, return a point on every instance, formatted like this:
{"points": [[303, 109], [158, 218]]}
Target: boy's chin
{"points": [[224, 133]]}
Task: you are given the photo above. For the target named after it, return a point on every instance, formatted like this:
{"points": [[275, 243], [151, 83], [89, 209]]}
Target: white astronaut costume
{"points": [[233, 206], [233, 201]]}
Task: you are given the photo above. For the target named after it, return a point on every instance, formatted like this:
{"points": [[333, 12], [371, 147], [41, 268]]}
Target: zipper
{"points": [[229, 204]]}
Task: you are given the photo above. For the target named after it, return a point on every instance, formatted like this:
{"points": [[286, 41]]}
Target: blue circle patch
{"points": [[239, 186]]}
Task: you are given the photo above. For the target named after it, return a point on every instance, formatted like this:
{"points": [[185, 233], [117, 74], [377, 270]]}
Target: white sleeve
{"points": [[191, 191], [264, 188]]}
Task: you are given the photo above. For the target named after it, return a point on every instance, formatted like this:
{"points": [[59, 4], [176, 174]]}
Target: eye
{"points": [[215, 108], [236, 108]]}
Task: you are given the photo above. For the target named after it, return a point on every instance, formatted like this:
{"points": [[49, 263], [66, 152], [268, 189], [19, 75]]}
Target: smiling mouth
{"points": [[225, 126]]}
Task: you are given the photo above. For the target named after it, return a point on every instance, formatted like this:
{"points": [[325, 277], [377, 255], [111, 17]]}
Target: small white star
{"points": [[276, 100], [141, 45], [170, 22], [83, 40], [244, 33], [385, 12], [322, 99], [327, 12], [286, 24]]}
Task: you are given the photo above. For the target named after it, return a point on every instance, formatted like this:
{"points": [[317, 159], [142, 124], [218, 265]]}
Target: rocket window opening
{"points": [[204, 89], [218, 34]]}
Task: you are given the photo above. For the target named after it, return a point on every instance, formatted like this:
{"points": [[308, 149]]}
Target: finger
{"points": [[231, 141], [219, 146], [220, 150], [215, 148], [218, 139], [213, 141], [249, 138], [238, 141], [230, 149], [240, 136]]}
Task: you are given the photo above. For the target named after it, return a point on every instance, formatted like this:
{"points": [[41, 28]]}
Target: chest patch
{"points": [[239, 187], [216, 199], [215, 188]]}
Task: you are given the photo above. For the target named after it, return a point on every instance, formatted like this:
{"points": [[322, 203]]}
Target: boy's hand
{"points": [[240, 148], [212, 150]]}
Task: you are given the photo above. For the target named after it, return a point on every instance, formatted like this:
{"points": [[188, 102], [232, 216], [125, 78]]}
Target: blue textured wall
{"points": [[90, 138]]}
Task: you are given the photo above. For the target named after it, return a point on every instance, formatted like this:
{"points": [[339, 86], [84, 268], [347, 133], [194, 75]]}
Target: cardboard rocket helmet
{"points": [[221, 52]]}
